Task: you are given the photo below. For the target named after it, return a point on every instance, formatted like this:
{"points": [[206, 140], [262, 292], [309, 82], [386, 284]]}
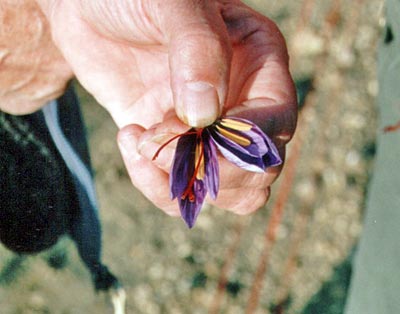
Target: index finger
{"points": [[261, 88]]}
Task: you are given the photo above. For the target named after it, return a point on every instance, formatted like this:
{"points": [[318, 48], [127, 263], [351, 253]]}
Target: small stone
{"points": [[334, 180], [343, 53], [307, 43], [354, 120], [37, 301], [353, 160], [306, 191]]}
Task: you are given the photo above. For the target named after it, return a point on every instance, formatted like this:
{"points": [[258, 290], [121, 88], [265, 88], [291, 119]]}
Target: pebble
{"points": [[334, 180], [353, 161], [305, 190], [306, 43]]}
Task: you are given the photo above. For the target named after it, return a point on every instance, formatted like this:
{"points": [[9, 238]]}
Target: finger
{"points": [[199, 59], [242, 201], [278, 121], [263, 84], [110, 69], [147, 177], [158, 143], [232, 177]]}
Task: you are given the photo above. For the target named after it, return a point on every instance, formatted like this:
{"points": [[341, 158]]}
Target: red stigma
{"points": [[171, 140], [188, 193], [189, 189]]}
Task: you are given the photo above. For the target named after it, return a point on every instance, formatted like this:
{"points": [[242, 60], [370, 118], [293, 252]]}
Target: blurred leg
{"points": [[66, 129], [375, 284]]}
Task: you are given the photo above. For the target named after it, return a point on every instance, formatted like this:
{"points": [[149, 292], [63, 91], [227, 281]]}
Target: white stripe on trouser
{"points": [[71, 158]]}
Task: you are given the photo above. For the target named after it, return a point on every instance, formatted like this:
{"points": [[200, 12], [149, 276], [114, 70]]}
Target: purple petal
{"points": [[191, 209], [182, 172], [258, 145], [261, 152], [182, 165], [211, 178], [272, 158]]}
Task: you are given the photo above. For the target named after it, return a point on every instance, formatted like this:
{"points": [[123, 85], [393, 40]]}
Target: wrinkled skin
{"points": [[136, 58], [32, 69]]}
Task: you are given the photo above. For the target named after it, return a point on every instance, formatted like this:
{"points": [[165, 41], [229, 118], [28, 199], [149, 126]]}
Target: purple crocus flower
{"points": [[195, 169]]}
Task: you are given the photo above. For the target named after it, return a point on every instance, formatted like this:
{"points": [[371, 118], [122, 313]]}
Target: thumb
{"points": [[199, 60]]}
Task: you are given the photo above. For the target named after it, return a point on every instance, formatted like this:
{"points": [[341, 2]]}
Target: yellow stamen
{"points": [[236, 125], [199, 154], [234, 137]]}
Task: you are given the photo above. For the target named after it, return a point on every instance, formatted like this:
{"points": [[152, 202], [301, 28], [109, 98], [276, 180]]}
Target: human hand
{"points": [[148, 62], [32, 70]]}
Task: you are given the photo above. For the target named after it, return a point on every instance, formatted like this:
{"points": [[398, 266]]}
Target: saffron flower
{"points": [[195, 169]]}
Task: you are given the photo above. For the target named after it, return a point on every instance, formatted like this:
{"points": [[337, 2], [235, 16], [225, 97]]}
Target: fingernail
{"points": [[200, 104], [158, 139], [153, 149]]}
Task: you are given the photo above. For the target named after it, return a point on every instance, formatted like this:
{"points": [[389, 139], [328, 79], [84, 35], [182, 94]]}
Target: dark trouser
{"points": [[46, 187]]}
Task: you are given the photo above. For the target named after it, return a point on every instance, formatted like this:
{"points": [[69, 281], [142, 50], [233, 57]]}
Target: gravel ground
{"points": [[274, 261]]}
